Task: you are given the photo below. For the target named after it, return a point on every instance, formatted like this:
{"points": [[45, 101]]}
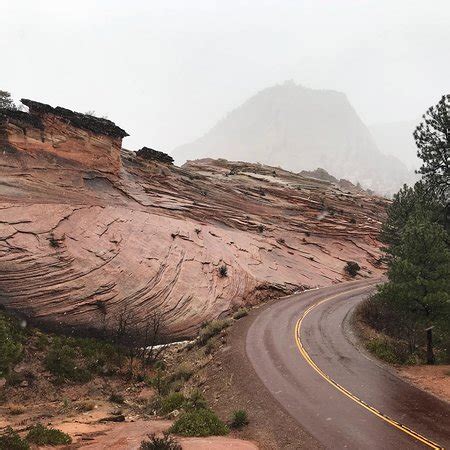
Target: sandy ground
{"points": [[88, 431], [129, 435], [434, 379]]}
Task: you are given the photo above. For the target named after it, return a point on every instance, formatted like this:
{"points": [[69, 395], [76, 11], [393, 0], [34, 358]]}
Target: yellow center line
{"points": [[340, 388]]}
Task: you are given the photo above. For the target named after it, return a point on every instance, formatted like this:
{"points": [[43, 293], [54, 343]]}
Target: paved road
{"points": [[344, 399]]}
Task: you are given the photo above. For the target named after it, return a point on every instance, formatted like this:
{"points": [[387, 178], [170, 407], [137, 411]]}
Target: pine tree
{"points": [[419, 276], [432, 138], [6, 102], [408, 202]]}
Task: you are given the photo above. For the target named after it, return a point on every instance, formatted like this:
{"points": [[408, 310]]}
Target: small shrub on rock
{"points": [[200, 423], [352, 268], [223, 271], [10, 440], [41, 435], [239, 419], [55, 243], [166, 442]]}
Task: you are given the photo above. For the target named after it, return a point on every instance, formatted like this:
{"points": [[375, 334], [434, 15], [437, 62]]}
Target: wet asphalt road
{"points": [[335, 419]]}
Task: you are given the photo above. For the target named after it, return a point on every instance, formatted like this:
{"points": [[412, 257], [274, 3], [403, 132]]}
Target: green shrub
{"points": [[41, 435], [211, 329], [42, 342], [195, 401], [98, 353], [199, 422], [170, 402], [11, 337], [10, 440], [166, 442], [352, 268], [239, 419], [78, 358], [159, 382], [383, 350], [60, 361], [241, 312]]}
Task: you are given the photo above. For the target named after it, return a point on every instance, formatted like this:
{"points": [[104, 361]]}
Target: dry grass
{"points": [[15, 409], [86, 405]]}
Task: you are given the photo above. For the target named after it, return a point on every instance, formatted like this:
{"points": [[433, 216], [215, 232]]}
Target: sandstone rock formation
{"points": [[66, 135], [87, 231]]}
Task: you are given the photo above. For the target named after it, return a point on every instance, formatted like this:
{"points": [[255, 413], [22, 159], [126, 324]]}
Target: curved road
{"points": [[299, 349]]}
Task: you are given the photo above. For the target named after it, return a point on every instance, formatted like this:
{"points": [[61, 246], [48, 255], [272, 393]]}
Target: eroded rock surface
{"points": [[79, 242]]}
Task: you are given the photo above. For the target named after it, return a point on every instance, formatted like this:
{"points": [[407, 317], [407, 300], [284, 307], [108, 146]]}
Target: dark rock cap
{"points": [[95, 124], [154, 155], [20, 118]]}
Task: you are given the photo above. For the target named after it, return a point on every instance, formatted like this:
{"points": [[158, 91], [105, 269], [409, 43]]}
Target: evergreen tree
{"points": [[418, 290], [408, 202], [6, 102], [432, 138]]}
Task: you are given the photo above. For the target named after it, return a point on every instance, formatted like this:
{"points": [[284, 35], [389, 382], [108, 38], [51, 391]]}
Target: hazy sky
{"points": [[166, 71]]}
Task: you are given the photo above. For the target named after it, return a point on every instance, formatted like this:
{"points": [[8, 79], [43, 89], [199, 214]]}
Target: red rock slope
{"points": [[88, 230]]}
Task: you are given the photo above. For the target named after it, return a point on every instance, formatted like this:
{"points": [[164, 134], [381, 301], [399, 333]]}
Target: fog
{"points": [[166, 71]]}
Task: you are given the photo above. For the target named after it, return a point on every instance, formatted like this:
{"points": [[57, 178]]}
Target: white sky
{"points": [[167, 70]]}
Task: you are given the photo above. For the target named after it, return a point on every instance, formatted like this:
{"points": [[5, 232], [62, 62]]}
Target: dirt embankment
{"points": [[434, 379]]}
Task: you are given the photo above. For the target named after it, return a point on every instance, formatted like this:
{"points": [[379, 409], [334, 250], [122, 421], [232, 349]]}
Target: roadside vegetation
{"points": [[409, 316], [39, 435], [11, 343], [35, 364]]}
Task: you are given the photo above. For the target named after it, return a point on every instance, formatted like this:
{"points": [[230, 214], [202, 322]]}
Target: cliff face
{"points": [[70, 137], [301, 129], [81, 241]]}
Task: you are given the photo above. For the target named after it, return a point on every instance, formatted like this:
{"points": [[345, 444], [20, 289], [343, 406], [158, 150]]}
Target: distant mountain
{"points": [[396, 139], [301, 129]]}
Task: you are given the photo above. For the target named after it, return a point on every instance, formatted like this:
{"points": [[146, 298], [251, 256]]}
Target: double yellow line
{"points": [[340, 388]]}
